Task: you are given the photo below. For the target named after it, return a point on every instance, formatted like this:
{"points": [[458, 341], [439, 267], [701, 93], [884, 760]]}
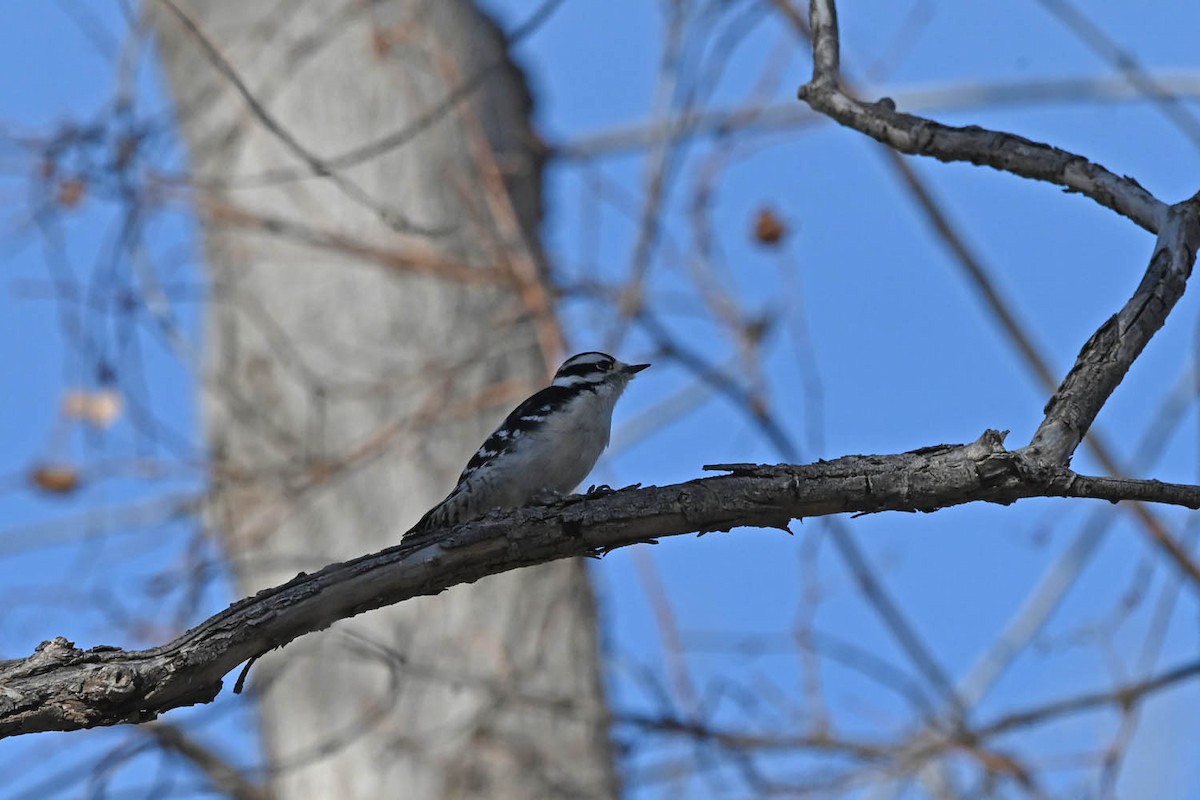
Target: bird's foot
{"points": [[603, 489]]}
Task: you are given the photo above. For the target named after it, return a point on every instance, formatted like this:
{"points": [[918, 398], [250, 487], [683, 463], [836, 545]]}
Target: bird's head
{"points": [[595, 369]]}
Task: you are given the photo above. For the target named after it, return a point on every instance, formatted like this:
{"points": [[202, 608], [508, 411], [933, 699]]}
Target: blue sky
{"points": [[905, 354]]}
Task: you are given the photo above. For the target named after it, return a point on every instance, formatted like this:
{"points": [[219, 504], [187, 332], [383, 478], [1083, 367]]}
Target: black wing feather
{"points": [[522, 418]]}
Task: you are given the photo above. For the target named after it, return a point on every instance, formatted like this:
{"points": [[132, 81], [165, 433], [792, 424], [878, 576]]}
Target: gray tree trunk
{"points": [[345, 388]]}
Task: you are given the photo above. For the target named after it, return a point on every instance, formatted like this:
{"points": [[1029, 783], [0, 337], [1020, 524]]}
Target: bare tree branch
{"points": [[1107, 356], [1110, 352], [61, 687], [1003, 151], [1123, 696]]}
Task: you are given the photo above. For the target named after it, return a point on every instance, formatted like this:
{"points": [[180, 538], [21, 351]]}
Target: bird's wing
{"points": [[522, 419]]}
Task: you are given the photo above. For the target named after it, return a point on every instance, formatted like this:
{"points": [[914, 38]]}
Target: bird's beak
{"points": [[633, 369]]}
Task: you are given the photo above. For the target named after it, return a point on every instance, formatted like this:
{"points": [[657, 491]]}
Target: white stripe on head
{"points": [[578, 380]]}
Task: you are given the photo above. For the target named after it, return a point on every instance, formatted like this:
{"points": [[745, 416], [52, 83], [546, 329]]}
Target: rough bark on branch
{"points": [[61, 687]]}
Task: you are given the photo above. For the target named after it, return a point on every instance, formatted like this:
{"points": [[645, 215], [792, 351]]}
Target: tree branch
{"points": [[1107, 356], [1003, 151], [1111, 351], [1125, 696], [61, 687]]}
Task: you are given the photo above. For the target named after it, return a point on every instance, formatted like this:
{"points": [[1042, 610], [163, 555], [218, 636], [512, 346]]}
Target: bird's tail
{"points": [[443, 515]]}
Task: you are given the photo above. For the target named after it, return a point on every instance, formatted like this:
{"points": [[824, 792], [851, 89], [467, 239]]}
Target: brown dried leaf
{"points": [[55, 478], [768, 228]]}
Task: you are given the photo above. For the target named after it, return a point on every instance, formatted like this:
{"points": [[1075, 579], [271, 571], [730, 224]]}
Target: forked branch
{"points": [[1107, 356]]}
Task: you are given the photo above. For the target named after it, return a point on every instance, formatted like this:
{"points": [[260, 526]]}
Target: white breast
{"points": [[562, 453]]}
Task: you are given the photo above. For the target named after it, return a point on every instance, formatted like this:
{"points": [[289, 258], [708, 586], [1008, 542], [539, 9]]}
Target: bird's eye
{"points": [[605, 366]]}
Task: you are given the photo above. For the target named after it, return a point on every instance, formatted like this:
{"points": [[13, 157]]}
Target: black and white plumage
{"points": [[548, 444]]}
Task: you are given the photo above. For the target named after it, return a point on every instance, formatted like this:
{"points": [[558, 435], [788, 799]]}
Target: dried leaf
{"points": [[98, 408], [56, 478], [768, 228]]}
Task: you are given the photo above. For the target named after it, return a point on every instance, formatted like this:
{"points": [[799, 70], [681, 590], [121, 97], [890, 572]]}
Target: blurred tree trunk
{"points": [[344, 389]]}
